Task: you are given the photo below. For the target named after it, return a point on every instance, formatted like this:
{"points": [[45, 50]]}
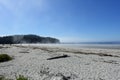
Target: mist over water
{"points": [[99, 46]]}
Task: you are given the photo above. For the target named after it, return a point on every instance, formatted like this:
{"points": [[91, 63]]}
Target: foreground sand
{"points": [[80, 63]]}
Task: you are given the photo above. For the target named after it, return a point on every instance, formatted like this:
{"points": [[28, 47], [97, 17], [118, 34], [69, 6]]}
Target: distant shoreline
{"points": [[117, 42]]}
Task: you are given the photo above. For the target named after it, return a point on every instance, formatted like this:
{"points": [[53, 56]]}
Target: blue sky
{"points": [[67, 20]]}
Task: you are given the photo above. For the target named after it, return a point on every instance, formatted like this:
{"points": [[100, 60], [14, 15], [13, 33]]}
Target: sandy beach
{"points": [[54, 62]]}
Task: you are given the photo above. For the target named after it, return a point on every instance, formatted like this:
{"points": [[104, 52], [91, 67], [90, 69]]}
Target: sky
{"points": [[67, 20]]}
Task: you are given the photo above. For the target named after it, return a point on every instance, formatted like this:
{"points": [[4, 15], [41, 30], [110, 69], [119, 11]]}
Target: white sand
{"points": [[83, 63]]}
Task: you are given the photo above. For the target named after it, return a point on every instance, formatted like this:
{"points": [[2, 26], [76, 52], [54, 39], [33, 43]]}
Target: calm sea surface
{"points": [[103, 46]]}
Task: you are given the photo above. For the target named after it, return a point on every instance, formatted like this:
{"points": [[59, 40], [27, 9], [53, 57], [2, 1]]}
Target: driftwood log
{"points": [[57, 57]]}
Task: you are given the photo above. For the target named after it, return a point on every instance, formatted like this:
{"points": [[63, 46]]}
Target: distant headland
{"points": [[30, 38]]}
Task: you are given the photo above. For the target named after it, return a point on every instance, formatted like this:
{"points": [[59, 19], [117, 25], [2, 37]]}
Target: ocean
{"points": [[84, 45], [102, 46]]}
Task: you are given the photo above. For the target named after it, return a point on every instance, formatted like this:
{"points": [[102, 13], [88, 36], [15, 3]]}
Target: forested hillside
{"points": [[17, 39]]}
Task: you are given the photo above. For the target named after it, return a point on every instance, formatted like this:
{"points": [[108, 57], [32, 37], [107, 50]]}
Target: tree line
{"points": [[18, 39]]}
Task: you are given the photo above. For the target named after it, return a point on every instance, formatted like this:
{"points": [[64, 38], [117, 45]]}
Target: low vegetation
{"points": [[21, 77], [3, 78], [5, 57]]}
